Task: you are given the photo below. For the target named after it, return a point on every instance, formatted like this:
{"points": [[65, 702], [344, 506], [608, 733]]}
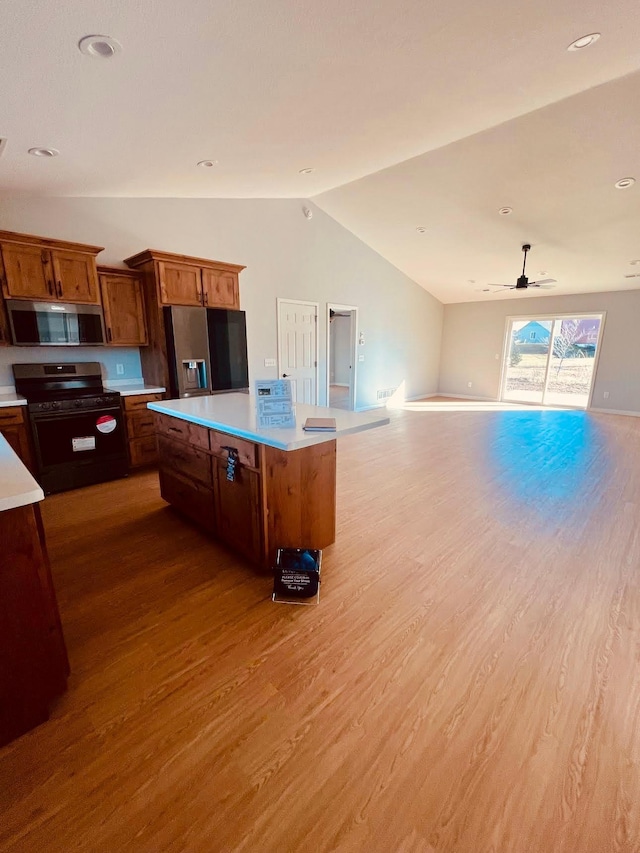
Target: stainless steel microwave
{"points": [[55, 324]]}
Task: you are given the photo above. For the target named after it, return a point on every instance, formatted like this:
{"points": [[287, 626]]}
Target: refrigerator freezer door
{"points": [[188, 351]]}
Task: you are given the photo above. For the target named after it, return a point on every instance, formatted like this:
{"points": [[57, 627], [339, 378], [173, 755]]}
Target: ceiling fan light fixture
{"points": [[505, 211], [99, 47], [624, 183], [584, 41]]}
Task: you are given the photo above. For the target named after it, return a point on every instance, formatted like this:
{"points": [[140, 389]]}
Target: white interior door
{"points": [[298, 348]]}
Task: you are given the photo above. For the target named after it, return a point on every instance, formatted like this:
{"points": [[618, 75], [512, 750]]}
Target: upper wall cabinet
{"points": [[182, 280], [5, 338], [52, 270], [123, 306]]}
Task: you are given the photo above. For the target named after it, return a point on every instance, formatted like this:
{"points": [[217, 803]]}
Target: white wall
{"points": [[474, 332], [286, 255]]}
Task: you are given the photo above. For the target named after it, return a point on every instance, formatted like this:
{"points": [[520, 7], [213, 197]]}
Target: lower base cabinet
{"points": [[188, 497], [238, 512], [141, 432], [14, 427], [33, 660], [276, 499]]}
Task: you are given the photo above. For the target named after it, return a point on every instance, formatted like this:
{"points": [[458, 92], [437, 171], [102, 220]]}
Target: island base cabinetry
{"points": [[33, 664], [276, 498]]}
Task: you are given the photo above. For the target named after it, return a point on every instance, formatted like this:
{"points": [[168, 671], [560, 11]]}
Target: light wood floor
{"points": [[470, 681]]}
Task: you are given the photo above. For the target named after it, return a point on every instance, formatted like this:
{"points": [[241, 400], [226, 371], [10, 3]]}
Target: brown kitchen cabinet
{"points": [[141, 433], [123, 307], [239, 509], [40, 268], [170, 279], [35, 664], [5, 335], [277, 499], [14, 427]]}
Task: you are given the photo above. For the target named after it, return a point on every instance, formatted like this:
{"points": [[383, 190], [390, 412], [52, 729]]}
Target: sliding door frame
{"points": [[527, 318]]}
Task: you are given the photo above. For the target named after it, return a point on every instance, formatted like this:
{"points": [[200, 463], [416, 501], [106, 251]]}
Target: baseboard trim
{"points": [[594, 411], [467, 397], [383, 405]]}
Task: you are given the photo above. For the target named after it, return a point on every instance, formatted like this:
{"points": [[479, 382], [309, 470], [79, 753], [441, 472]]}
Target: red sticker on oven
{"points": [[106, 423]]}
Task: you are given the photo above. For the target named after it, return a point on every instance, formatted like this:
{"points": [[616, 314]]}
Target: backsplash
{"points": [[109, 358]]}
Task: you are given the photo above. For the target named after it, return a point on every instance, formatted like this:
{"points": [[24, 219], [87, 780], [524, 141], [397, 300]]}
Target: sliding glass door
{"points": [[550, 360]]}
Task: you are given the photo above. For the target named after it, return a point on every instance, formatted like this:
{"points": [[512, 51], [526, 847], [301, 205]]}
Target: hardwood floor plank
{"points": [[467, 683]]}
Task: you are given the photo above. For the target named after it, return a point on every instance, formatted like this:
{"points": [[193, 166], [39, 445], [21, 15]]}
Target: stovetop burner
{"points": [[61, 386]]}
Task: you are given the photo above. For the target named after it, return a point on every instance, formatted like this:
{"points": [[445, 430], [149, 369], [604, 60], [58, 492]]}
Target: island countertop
{"points": [[235, 414], [17, 486]]}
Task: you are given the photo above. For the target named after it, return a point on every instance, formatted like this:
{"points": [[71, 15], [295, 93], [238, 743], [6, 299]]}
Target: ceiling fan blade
{"points": [[510, 286], [543, 282]]}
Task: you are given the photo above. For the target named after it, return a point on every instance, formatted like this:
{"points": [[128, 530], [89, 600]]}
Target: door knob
{"points": [[284, 375]]}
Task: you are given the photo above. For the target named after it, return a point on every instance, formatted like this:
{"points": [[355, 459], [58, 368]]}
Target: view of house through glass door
{"points": [[551, 360]]}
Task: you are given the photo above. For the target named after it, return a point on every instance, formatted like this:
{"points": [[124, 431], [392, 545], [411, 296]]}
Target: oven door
{"points": [[79, 448]]}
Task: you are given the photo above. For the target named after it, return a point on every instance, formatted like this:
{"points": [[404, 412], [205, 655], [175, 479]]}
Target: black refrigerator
{"points": [[207, 350]]}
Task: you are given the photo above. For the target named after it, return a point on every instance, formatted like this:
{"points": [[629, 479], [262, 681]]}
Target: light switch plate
{"points": [[360, 358], [269, 362]]}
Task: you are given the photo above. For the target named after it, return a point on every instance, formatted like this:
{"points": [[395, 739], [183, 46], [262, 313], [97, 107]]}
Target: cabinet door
{"points": [[76, 277], [238, 510], [123, 310], [16, 432], [5, 337], [180, 284], [27, 272], [220, 289]]}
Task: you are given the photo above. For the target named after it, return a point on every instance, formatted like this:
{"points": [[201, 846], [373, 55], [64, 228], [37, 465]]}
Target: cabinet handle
{"points": [[109, 335], [59, 289], [50, 287], [206, 299]]}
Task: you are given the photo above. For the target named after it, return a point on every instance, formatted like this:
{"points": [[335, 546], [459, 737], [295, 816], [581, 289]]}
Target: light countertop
{"points": [[17, 486], [235, 414], [129, 389], [12, 399]]}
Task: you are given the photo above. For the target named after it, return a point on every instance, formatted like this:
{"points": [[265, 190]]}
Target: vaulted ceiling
{"points": [[411, 115]]}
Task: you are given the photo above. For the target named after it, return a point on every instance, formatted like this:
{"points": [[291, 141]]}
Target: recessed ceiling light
{"points": [[471, 280], [421, 229], [543, 272], [306, 171], [624, 183], [635, 263], [584, 41], [44, 152], [100, 47], [505, 211], [207, 164]]}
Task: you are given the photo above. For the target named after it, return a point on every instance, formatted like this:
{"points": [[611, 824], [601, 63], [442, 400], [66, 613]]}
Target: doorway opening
{"points": [[551, 360], [342, 341]]}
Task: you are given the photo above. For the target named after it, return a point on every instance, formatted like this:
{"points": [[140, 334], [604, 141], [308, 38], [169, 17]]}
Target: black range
{"points": [[78, 427]]}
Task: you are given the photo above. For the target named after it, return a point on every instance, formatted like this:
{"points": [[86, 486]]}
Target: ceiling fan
{"points": [[522, 283]]}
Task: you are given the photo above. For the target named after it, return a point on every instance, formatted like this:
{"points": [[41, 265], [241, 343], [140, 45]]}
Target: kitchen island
{"points": [[282, 492], [33, 658]]}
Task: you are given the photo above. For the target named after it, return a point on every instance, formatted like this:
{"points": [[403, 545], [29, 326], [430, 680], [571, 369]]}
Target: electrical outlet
{"points": [[269, 362], [605, 394], [120, 369], [360, 358], [469, 384], [497, 356]]}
